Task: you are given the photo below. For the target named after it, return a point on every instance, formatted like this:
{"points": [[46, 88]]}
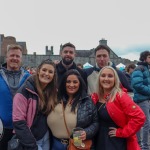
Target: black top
{"points": [[104, 141], [39, 126], [61, 70]]}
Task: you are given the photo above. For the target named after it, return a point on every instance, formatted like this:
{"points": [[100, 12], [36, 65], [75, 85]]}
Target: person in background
{"points": [[68, 54], [31, 104], [128, 71], [31, 70], [78, 108], [80, 65], [12, 76], [102, 58], [120, 118], [28, 69], [140, 81]]}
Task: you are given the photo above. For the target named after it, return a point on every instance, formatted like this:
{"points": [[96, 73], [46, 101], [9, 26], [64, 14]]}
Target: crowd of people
{"points": [[43, 107]]}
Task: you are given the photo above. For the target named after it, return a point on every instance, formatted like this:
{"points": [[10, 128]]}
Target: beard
{"points": [[67, 62]]}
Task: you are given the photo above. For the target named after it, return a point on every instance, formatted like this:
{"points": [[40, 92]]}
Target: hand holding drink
{"points": [[78, 135]]}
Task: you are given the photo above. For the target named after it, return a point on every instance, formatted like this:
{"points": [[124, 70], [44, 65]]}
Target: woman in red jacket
{"points": [[120, 118]]}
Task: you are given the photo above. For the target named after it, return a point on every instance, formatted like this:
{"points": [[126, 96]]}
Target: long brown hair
{"points": [[48, 96]]}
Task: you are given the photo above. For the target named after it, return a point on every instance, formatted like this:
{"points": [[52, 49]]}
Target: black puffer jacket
{"points": [[87, 116]]}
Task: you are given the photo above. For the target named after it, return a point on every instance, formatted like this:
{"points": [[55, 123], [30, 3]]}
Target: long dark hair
{"points": [[62, 93], [48, 97]]}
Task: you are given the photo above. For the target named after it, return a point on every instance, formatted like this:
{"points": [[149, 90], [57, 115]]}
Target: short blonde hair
{"points": [[13, 47], [116, 89]]}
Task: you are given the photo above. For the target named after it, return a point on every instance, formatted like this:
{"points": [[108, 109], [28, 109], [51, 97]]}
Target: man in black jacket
{"points": [[102, 58], [68, 54]]}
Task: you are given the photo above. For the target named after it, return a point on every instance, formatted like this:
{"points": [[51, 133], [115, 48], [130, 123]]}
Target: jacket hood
{"points": [[142, 63], [10, 71], [4, 67], [111, 64], [30, 84]]}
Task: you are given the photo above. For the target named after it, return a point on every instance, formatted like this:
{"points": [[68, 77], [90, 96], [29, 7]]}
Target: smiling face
{"points": [[14, 59], [68, 55], [107, 80], [46, 74], [72, 85]]}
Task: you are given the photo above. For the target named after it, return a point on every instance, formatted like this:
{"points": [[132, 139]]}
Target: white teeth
{"points": [[106, 83]]}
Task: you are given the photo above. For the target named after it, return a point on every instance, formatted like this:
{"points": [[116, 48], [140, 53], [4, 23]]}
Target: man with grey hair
{"points": [[12, 76]]}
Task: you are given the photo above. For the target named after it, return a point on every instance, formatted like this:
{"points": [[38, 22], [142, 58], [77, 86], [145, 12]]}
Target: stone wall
{"points": [[34, 60]]}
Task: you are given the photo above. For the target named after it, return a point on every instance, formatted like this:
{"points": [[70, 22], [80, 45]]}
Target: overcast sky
{"points": [[125, 24]]}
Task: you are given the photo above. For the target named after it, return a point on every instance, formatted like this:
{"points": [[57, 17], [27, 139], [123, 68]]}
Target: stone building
{"points": [[90, 56], [33, 60], [5, 41], [82, 56]]}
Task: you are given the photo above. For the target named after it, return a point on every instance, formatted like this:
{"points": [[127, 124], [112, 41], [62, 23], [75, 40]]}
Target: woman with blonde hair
{"points": [[120, 118]]}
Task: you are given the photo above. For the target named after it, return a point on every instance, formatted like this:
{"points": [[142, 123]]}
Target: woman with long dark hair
{"points": [[78, 108]]}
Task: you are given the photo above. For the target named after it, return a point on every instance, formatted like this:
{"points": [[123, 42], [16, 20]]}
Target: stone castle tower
{"points": [[5, 41]]}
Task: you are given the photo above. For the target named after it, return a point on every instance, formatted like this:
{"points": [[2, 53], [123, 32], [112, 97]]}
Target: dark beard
{"points": [[67, 62]]}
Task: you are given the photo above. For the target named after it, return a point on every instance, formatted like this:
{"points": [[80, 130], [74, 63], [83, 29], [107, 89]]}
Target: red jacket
{"points": [[128, 116]]}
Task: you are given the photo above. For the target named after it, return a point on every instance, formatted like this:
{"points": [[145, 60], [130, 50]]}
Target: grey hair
{"points": [[13, 47]]}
